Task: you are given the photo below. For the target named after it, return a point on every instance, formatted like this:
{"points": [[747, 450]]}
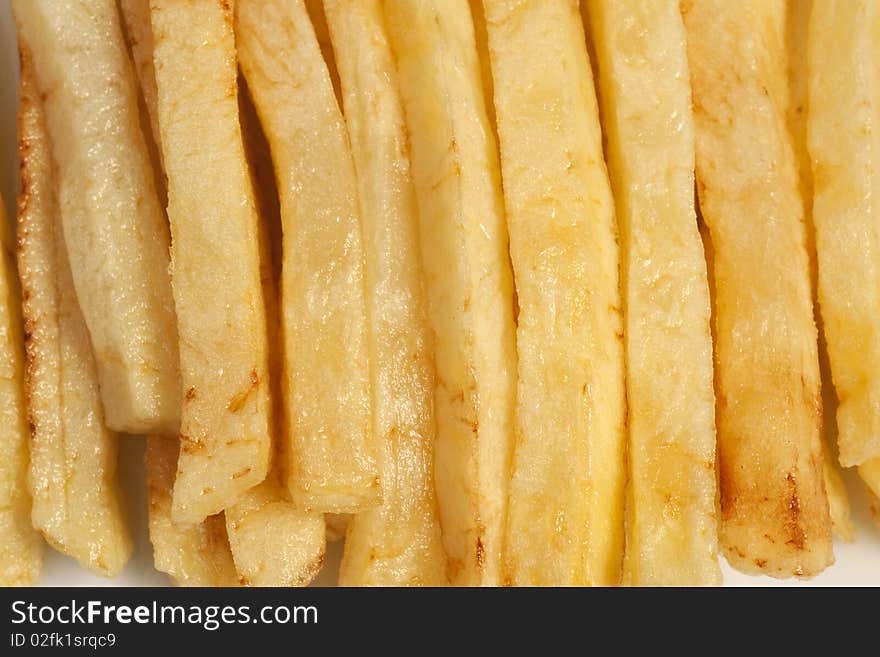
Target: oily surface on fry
{"points": [[224, 432], [397, 543], [20, 546], [645, 93], [332, 451], [76, 500], [274, 543], [797, 22], [775, 516], [291, 554], [113, 223], [192, 554], [566, 496], [467, 273], [844, 145], [371, 360]]}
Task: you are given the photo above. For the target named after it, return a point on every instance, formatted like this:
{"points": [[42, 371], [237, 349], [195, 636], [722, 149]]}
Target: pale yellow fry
{"points": [[838, 497], [844, 142], [76, 500], [225, 433], [193, 554], [869, 471], [333, 451], [292, 552], [273, 543], [469, 285], [566, 496], [797, 24], [646, 100], [21, 549], [139, 31], [838, 502], [397, 543], [775, 517], [113, 223]]}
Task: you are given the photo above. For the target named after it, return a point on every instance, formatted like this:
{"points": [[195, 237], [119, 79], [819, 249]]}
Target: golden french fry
{"points": [[566, 496], [844, 139], [332, 452], [113, 223], [397, 543], [193, 554], [645, 92], [775, 516], [797, 24], [21, 549], [76, 500], [225, 432], [292, 553], [469, 285]]}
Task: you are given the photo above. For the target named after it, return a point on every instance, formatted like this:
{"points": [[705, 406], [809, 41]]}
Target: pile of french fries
{"points": [[432, 276]]}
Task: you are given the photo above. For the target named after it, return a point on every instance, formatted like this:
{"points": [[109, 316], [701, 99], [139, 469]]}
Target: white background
{"points": [[857, 564]]}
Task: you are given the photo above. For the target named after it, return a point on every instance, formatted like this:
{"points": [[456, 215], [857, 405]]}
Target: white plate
{"points": [[857, 563]]}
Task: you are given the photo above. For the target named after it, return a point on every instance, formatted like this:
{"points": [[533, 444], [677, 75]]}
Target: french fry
{"points": [[774, 510], [113, 223], [797, 27], [225, 431], [76, 500], [566, 496], [21, 550], [645, 94], [139, 33], [332, 451], [274, 543], [838, 499], [870, 474], [397, 543], [469, 284], [193, 554], [844, 143], [293, 552]]}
